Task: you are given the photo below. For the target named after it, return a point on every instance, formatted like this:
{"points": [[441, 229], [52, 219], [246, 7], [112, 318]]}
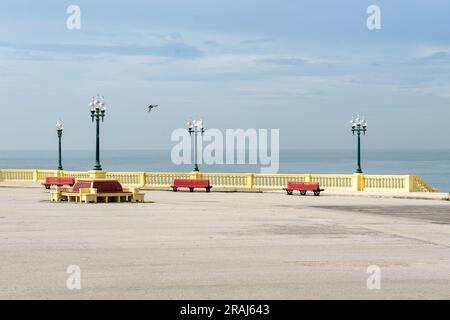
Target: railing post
{"points": [[195, 175], [97, 174], [249, 180], [142, 179], [35, 175], [409, 184], [358, 182], [308, 178]]}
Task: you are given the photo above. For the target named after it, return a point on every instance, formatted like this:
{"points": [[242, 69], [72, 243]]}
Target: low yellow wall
{"points": [[249, 181]]}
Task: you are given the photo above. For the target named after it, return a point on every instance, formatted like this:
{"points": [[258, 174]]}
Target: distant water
{"points": [[433, 166]]}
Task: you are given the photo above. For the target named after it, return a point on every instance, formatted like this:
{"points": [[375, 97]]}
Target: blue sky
{"points": [[304, 67]]}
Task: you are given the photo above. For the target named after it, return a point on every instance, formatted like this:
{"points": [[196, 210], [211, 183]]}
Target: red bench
{"points": [[58, 181], [303, 187], [191, 184]]}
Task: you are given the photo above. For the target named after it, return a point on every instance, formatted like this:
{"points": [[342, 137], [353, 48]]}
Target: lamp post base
{"points": [[358, 171]]}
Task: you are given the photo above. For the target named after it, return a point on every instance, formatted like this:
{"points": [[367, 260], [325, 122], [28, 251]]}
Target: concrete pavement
{"points": [[224, 245]]}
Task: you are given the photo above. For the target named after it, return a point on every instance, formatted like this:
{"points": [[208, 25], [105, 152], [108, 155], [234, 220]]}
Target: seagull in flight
{"points": [[150, 107]]}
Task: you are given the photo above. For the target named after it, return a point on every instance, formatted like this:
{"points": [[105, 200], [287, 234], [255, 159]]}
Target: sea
{"points": [[433, 166]]}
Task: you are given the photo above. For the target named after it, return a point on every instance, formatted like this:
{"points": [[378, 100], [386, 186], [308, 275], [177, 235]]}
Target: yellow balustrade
{"points": [[40, 175], [418, 185], [334, 181], [226, 180], [350, 182], [385, 183], [277, 181], [19, 175], [128, 178], [76, 174], [163, 179]]}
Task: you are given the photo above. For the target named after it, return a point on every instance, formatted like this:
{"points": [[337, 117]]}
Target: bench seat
{"points": [[303, 187], [58, 181], [191, 184]]}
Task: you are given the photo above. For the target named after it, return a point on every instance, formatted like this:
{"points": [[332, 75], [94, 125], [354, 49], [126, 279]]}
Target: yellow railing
{"points": [[419, 185], [276, 181], [227, 180], [42, 174], [75, 174], [335, 181], [236, 181], [19, 175], [162, 179], [385, 183], [128, 178]]}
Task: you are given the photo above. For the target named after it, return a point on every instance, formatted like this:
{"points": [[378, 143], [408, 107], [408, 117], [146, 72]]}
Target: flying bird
{"points": [[150, 107]]}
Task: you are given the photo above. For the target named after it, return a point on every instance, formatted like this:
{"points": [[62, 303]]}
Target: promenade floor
{"points": [[223, 245]]}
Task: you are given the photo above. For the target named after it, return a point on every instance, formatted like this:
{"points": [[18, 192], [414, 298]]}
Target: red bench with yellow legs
{"points": [[303, 187], [58, 181], [191, 184]]}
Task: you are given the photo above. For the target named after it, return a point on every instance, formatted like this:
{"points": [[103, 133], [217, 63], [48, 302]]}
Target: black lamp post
{"points": [[98, 109], [359, 126], [59, 131], [195, 127]]}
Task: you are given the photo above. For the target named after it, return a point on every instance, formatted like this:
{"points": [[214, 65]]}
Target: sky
{"points": [[304, 67]]}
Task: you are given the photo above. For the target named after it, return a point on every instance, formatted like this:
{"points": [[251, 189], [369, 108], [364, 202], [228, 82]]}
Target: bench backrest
{"points": [[303, 185], [191, 183], [81, 184], [105, 186], [109, 186], [60, 180]]}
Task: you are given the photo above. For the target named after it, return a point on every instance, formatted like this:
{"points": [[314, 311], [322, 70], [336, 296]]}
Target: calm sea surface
{"points": [[433, 166]]}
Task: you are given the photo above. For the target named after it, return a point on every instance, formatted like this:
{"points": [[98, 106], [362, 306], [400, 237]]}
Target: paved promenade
{"points": [[224, 245]]}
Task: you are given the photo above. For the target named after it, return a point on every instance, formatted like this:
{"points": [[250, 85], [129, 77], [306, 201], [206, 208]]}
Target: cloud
{"points": [[257, 41], [440, 57], [284, 61], [210, 43], [173, 49]]}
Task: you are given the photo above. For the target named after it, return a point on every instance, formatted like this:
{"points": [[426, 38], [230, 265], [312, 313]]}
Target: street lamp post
{"points": [[98, 109], [195, 127], [359, 125], [59, 131]]}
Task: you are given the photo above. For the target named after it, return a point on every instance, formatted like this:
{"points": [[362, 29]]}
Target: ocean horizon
{"points": [[431, 165]]}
